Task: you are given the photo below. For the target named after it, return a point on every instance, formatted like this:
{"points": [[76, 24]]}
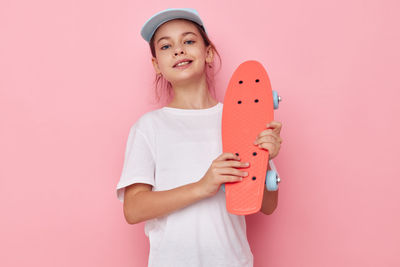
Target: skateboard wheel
{"points": [[223, 187], [276, 98], [271, 181]]}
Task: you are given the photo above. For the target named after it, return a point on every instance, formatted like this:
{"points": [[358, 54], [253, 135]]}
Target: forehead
{"points": [[174, 28]]}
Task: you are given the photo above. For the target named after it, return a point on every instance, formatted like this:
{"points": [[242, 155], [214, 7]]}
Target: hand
{"points": [[222, 170], [270, 139]]}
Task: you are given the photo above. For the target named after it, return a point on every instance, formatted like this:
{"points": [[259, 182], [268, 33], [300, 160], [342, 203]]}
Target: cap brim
{"points": [[159, 18]]}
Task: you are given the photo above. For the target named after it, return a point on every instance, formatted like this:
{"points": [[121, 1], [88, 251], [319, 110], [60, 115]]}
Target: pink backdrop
{"points": [[75, 75]]}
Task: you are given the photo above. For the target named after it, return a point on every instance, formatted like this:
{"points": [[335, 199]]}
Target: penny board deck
{"points": [[247, 109]]}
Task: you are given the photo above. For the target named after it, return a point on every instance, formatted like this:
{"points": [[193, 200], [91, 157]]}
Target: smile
{"points": [[183, 65]]}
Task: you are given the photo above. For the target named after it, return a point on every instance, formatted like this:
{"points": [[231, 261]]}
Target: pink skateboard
{"points": [[248, 106]]}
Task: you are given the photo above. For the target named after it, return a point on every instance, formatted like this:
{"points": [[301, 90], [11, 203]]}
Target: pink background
{"points": [[75, 75]]}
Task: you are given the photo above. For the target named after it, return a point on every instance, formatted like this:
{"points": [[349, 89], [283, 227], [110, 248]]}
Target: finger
{"points": [[227, 155], [268, 146], [269, 136], [231, 179], [268, 132], [276, 126], [232, 171], [232, 163], [266, 139], [272, 148]]}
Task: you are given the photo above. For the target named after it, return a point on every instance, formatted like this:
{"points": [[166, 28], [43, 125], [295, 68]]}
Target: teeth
{"points": [[182, 63]]}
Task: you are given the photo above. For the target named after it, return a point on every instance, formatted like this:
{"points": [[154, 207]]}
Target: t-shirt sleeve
{"points": [[139, 165], [271, 163]]}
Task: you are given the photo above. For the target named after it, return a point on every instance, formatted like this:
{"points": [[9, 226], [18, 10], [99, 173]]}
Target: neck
{"points": [[192, 95]]}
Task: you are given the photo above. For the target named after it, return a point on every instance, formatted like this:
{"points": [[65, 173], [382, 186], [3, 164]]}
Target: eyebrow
{"points": [[167, 37]]}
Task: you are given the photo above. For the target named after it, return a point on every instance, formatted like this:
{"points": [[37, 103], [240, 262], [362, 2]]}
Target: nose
{"points": [[179, 51]]}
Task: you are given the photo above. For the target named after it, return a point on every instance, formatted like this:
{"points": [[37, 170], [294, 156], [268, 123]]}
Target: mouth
{"points": [[183, 64]]}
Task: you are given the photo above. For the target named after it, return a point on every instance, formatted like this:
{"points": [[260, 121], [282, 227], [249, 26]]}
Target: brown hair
{"points": [[163, 84]]}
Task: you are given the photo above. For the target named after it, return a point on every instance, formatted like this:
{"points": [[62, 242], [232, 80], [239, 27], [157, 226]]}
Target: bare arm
{"points": [[270, 140], [141, 204], [270, 200]]}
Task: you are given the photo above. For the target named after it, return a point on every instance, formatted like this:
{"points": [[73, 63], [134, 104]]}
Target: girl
{"points": [[174, 165]]}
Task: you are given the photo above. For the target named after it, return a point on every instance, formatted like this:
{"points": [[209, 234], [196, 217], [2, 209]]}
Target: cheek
{"points": [[163, 64], [202, 54], [201, 58]]}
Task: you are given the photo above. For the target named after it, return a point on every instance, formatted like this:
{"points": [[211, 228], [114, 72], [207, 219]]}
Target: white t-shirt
{"points": [[171, 147]]}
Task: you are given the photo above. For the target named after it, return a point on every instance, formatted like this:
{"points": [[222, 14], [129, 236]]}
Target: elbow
{"points": [[270, 202], [269, 211], [130, 216], [134, 210], [130, 220]]}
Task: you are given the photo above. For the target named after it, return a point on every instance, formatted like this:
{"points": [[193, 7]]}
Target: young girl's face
{"points": [[176, 40]]}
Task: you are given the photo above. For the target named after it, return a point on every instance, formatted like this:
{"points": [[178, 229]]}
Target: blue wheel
{"points": [[223, 187], [272, 180], [276, 98]]}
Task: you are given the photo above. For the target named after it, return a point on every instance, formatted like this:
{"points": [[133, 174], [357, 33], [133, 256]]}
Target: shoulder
{"points": [[146, 121], [146, 124]]}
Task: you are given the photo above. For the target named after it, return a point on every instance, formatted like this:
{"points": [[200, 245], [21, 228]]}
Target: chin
{"points": [[182, 77]]}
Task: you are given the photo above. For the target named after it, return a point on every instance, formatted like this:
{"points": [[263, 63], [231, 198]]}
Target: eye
{"points": [[190, 41], [163, 47]]}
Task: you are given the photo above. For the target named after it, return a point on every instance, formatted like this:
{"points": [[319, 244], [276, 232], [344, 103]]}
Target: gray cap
{"points": [[151, 25]]}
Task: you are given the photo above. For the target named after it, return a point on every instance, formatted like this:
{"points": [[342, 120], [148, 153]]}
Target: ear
{"points": [[155, 65], [209, 54]]}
